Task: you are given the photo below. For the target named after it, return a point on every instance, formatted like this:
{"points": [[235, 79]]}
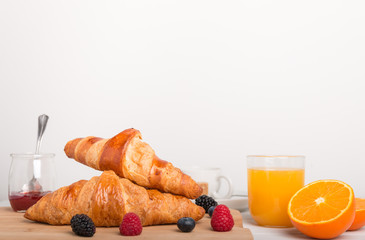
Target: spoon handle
{"points": [[42, 123]]}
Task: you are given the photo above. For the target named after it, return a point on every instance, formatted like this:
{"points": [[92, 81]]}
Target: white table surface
{"points": [[264, 233]]}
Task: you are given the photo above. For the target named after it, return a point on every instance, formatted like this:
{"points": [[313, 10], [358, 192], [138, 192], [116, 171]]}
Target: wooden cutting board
{"points": [[14, 226]]}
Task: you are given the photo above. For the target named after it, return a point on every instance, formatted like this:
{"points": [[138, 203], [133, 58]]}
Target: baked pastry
{"points": [[129, 157], [107, 198]]}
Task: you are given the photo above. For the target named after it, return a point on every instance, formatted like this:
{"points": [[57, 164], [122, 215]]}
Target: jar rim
{"points": [[32, 155]]}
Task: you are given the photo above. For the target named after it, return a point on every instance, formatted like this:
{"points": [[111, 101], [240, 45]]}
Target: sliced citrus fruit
{"points": [[323, 209], [359, 220]]}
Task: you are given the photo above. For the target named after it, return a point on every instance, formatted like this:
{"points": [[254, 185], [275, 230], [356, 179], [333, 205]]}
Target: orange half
{"points": [[359, 220], [323, 209]]}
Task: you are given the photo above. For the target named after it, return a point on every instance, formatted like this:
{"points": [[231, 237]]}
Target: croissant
{"points": [[129, 157], [107, 198]]}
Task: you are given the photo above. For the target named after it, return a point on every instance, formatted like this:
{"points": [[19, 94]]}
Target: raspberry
{"points": [[131, 225], [82, 225], [222, 220], [222, 209]]}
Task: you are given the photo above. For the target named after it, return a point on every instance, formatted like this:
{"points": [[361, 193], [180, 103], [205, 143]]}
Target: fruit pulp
{"points": [[21, 201], [269, 193]]}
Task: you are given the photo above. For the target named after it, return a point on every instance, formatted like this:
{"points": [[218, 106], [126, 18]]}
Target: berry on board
{"points": [[211, 210], [222, 220], [186, 224], [131, 225], [206, 202], [82, 225]]}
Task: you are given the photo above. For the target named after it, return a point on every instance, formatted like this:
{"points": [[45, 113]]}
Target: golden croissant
{"points": [[107, 198], [129, 157]]}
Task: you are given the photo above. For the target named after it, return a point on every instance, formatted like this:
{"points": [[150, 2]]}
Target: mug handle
{"points": [[230, 190]]}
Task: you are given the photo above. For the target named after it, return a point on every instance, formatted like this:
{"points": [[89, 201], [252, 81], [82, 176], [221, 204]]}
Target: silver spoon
{"points": [[33, 184]]}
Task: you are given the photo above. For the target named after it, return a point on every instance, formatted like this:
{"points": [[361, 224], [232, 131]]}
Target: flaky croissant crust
{"points": [[129, 157], [107, 198]]}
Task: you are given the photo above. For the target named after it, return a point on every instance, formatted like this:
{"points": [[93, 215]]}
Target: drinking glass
{"points": [[271, 182], [31, 176]]}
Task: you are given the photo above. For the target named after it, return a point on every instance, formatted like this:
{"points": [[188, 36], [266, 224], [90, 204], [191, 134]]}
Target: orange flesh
{"points": [[320, 203]]}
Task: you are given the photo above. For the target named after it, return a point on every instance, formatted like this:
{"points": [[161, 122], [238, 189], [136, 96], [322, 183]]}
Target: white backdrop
{"points": [[206, 82]]}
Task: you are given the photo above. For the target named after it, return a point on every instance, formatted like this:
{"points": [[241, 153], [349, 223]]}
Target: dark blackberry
{"points": [[206, 202], [82, 225]]}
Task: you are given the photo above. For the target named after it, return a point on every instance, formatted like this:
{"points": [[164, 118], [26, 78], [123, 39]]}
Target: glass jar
{"points": [[31, 176]]}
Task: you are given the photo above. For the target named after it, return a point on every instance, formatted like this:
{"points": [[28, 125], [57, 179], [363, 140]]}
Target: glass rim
{"points": [[32, 155], [276, 161]]}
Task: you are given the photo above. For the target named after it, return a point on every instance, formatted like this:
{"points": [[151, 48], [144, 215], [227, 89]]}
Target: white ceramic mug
{"points": [[210, 180]]}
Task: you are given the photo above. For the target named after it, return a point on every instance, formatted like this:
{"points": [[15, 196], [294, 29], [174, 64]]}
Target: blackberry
{"points": [[82, 225], [206, 202]]}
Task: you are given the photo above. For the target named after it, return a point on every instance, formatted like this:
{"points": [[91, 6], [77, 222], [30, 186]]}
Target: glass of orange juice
{"points": [[271, 182]]}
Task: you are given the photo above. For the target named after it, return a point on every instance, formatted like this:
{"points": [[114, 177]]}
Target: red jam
{"points": [[21, 201]]}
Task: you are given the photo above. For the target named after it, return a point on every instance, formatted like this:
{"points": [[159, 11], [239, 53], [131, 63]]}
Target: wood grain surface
{"points": [[14, 226]]}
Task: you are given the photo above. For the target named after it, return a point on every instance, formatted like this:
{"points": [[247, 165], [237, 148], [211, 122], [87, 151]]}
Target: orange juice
{"points": [[269, 192]]}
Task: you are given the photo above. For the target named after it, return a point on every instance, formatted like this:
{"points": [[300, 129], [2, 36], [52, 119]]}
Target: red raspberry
{"points": [[131, 225], [222, 220], [222, 209]]}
